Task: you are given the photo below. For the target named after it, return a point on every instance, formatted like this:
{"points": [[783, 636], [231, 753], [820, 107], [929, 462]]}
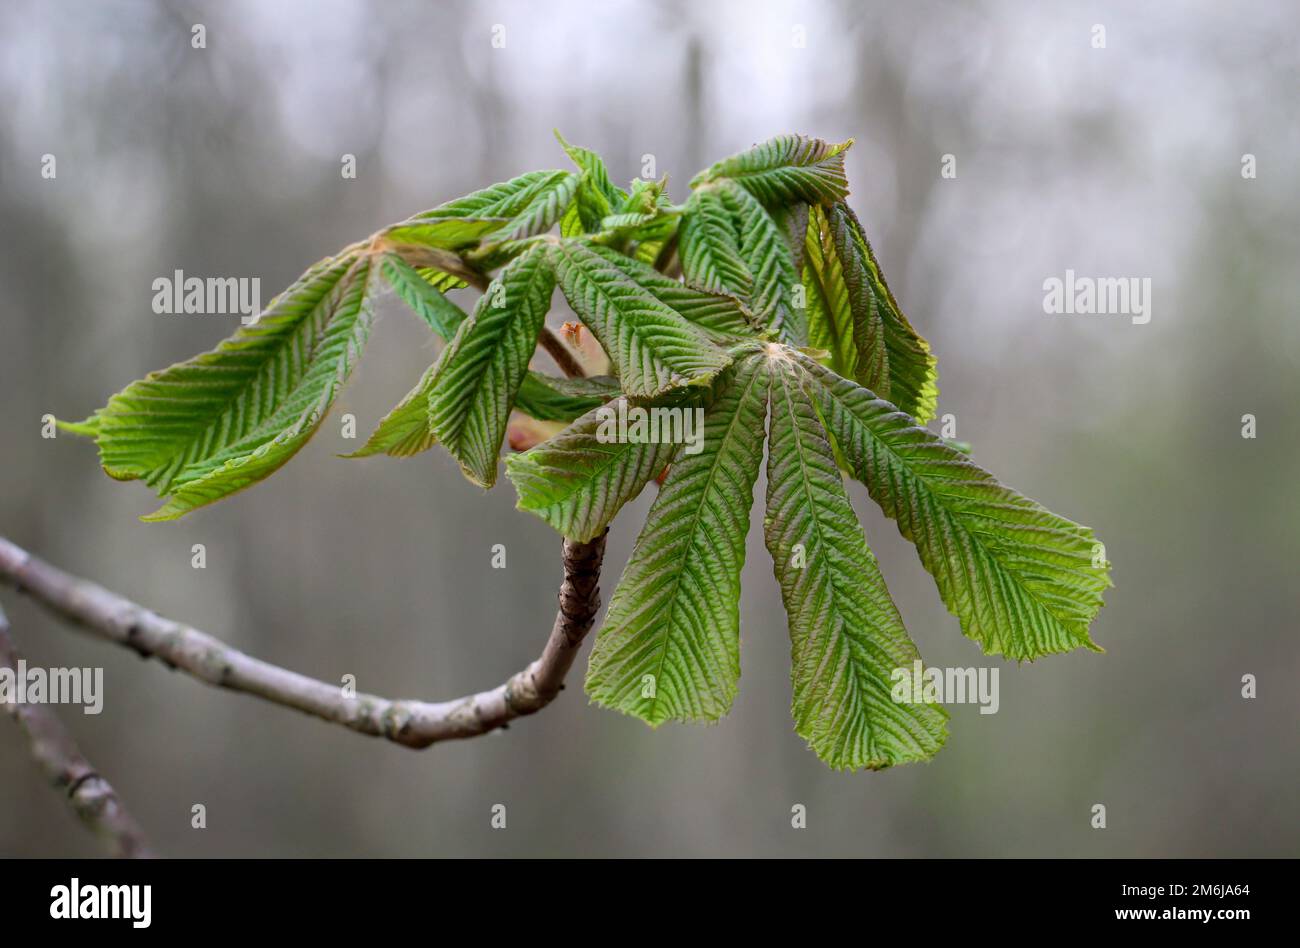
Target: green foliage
{"points": [[653, 347], [670, 645], [846, 637], [786, 169], [475, 382], [1023, 581], [758, 304], [577, 482]]}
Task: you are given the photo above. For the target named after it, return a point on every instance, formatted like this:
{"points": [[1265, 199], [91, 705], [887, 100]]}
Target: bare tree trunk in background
{"points": [[91, 797]]}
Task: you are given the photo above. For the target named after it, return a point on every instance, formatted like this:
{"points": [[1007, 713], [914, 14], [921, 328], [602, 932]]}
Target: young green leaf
{"points": [[474, 385], [913, 370], [1023, 581], [785, 169], [185, 422], [710, 246], [439, 313], [548, 398], [723, 317], [670, 645], [441, 280], [291, 395], [843, 317], [404, 432], [653, 347], [792, 221], [579, 479], [768, 259], [544, 209], [506, 200], [245, 469], [597, 174], [846, 636], [571, 224], [443, 233]]}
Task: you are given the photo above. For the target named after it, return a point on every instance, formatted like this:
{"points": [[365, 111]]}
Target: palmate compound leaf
{"points": [[1023, 581], [653, 347], [853, 317], [846, 636], [669, 648], [670, 645], [474, 383], [786, 169], [205, 428]]}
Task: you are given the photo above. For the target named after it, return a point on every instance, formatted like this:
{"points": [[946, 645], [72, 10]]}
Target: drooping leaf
{"points": [[290, 385], [441, 280], [846, 636], [404, 432], [670, 645], [439, 313], [913, 369], [785, 169], [187, 421], [709, 246], [578, 480], [768, 259], [653, 347], [478, 374], [243, 470], [548, 398], [792, 221], [843, 316], [1023, 581]]}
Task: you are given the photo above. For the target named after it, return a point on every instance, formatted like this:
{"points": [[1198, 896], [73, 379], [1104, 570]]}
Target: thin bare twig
{"points": [[410, 723], [91, 797]]}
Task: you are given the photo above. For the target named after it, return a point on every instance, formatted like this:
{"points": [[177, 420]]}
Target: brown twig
{"points": [[559, 351], [91, 797], [410, 723]]}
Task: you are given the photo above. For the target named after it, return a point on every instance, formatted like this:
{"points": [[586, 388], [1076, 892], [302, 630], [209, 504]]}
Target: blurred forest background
{"points": [[1122, 161]]}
